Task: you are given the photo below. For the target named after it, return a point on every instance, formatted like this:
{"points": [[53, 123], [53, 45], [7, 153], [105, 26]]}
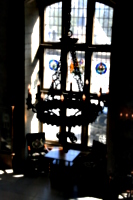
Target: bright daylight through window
{"points": [[98, 70]]}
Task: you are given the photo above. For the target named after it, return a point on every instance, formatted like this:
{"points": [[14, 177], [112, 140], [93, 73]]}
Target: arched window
{"points": [[91, 22]]}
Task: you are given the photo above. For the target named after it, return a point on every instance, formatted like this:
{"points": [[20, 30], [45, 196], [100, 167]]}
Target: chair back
{"points": [[35, 142]]}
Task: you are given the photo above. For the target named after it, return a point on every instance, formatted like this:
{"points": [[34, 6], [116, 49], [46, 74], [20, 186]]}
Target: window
{"points": [[102, 32], [53, 22], [97, 80], [78, 19], [89, 54], [51, 57], [97, 130], [102, 24]]}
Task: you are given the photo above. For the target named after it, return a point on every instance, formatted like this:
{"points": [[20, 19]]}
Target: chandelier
{"points": [[81, 101]]}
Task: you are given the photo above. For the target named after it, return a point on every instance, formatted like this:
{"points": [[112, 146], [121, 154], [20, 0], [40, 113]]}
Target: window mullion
{"points": [[66, 9], [89, 25], [50, 45], [89, 31], [88, 53]]}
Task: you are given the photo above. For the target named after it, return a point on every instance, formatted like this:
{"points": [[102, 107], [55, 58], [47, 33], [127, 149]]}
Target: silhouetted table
{"points": [[61, 166], [59, 155]]}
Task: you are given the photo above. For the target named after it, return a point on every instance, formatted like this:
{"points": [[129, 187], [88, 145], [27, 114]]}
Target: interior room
{"points": [[66, 99]]}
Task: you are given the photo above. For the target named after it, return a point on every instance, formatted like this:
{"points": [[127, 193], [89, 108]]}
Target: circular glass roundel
{"points": [[101, 68], [53, 64]]}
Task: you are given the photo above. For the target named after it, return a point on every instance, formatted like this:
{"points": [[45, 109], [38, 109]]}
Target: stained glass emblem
{"points": [[53, 64], [101, 68], [79, 66]]}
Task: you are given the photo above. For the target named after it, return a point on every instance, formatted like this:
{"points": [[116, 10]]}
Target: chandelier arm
{"points": [[50, 111], [73, 120], [77, 112]]}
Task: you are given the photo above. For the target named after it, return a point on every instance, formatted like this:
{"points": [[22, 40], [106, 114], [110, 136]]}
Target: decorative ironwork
{"points": [[76, 100]]}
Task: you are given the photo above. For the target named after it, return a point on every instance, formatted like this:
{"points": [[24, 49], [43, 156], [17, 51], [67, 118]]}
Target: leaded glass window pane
{"points": [[99, 80], [72, 76], [97, 130], [78, 19], [103, 20], [53, 22], [50, 69]]}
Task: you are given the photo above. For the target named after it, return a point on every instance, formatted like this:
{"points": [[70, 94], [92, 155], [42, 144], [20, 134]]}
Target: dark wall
{"points": [[16, 73], [3, 50], [120, 129], [12, 66], [15, 41]]}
